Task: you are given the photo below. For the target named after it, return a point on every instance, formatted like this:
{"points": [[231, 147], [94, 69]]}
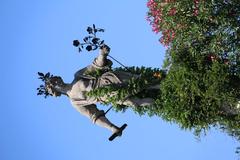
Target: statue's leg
{"points": [[136, 102], [104, 122], [230, 111], [97, 117], [154, 87]]}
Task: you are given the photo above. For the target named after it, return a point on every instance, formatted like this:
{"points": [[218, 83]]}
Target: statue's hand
{"points": [[105, 50]]}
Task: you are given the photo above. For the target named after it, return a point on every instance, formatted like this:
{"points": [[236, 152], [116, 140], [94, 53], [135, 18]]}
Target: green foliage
{"points": [[194, 98]]}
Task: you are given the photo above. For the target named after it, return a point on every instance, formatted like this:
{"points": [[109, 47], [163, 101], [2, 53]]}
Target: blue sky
{"points": [[36, 35]]}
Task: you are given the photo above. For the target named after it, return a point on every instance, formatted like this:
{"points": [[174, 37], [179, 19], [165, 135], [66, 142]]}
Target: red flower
{"points": [[172, 11]]}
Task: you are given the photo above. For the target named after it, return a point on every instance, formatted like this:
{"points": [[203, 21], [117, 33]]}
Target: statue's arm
{"points": [[100, 63]]}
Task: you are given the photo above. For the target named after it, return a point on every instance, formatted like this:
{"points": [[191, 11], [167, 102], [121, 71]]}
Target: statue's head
{"points": [[52, 85]]}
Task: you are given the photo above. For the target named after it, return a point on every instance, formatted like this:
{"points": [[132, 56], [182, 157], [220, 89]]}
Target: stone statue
{"points": [[83, 83]]}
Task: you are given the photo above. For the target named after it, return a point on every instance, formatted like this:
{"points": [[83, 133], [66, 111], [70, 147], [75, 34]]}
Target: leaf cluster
{"points": [[42, 89]]}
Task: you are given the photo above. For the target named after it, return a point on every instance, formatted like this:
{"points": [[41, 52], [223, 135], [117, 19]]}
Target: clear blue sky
{"points": [[36, 35]]}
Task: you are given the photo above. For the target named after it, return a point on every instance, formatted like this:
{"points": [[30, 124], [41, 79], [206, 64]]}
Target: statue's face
{"points": [[54, 86]]}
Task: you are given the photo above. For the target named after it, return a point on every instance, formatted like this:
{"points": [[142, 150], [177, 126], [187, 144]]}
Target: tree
{"points": [[202, 86]]}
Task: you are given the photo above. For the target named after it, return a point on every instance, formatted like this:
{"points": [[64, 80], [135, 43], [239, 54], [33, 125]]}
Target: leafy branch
{"points": [[91, 42]]}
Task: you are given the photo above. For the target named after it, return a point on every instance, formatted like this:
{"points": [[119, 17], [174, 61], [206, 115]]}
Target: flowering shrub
{"points": [[164, 17], [156, 19], [175, 16]]}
